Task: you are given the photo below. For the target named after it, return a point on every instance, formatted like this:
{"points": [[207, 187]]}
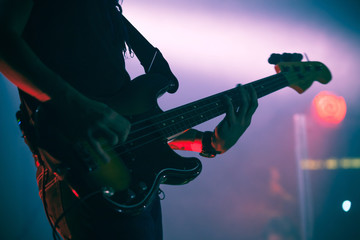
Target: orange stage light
{"points": [[329, 108]]}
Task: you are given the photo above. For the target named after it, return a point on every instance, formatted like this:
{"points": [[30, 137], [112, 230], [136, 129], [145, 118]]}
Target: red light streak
{"points": [[75, 193]]}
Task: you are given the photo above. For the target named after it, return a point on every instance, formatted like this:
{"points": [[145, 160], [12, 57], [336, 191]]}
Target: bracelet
{"points": [[207, 149]]}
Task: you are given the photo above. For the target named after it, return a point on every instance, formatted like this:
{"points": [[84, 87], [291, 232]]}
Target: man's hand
{"points": [[236, 121], [89, 122]]}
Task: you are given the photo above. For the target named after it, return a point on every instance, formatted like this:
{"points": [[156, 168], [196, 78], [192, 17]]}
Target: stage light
{"points": [[329, 108], [330, 164], [346, 205]]}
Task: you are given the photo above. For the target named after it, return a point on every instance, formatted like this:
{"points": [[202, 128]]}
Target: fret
{"points": [[192, 114], [269, 84]]}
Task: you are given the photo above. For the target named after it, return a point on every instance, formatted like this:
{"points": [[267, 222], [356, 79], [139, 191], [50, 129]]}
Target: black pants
{"points": [[88, 221]]}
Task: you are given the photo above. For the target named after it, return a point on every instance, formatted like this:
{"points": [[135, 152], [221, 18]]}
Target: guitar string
{"points": [[260, 82], [197, 118], [276, 76], [179, 109], [158, 131], [201, 113], [130, 147]]}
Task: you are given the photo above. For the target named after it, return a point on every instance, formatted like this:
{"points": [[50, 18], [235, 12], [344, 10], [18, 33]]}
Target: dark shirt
{"points": [[82, 41]]}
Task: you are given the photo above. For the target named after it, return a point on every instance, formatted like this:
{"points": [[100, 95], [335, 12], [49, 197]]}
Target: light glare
{"points": [[346, 205]]}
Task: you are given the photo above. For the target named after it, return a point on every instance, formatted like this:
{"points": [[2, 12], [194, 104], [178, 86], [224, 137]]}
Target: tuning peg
{"points": [[276, 58]]}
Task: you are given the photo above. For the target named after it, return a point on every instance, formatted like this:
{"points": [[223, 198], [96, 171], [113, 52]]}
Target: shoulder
{"points": [[14, 14]]}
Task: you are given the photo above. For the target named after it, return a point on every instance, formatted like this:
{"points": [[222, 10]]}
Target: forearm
{"points": [[196, 141], [188, 141], [22, 67]]}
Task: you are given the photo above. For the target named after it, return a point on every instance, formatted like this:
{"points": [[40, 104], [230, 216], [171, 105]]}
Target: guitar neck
{"points": [[187, 116]]}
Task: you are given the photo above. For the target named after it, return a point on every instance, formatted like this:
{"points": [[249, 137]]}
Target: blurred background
{"points": [[293, 174]]}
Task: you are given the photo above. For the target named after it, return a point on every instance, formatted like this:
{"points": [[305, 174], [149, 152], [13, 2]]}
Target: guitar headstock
{"points": [[301, 75]]}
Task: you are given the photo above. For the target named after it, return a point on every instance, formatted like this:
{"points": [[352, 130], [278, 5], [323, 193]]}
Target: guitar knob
{"points": [[108, 191], [163, 179], [131, 194], [142, 186]]}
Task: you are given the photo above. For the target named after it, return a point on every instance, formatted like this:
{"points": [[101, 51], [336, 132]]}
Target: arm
{"points": [[191, 140], [226, 133], [17, 61], [22, 67]]}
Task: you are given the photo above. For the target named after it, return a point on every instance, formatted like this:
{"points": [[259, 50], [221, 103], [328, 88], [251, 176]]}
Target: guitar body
{"points": [[131, 179]]}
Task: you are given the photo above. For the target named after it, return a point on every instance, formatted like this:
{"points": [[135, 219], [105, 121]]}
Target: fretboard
{"points": [[184, 117]]}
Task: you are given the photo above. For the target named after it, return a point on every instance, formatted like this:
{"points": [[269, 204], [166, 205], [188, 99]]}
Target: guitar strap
{"points": [[150, 57]]}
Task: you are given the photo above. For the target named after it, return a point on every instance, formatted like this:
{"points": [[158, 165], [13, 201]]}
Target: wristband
{"points": [[207, 149]]}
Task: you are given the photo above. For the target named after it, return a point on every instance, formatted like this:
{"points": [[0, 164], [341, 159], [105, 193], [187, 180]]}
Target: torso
{"points": [[88, 56]]}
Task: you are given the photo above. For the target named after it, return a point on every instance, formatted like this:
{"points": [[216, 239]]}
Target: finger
{"points": [[253, 101], [100, 138], [98, 148], [230, 112], [243, 103], [110, 136], [121, 126]]}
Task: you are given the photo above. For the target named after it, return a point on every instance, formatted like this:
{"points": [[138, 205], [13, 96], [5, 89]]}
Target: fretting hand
{"points": [[236, 121]]}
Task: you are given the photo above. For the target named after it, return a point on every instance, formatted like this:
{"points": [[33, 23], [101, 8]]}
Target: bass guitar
{"points": [[138, 166]]}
